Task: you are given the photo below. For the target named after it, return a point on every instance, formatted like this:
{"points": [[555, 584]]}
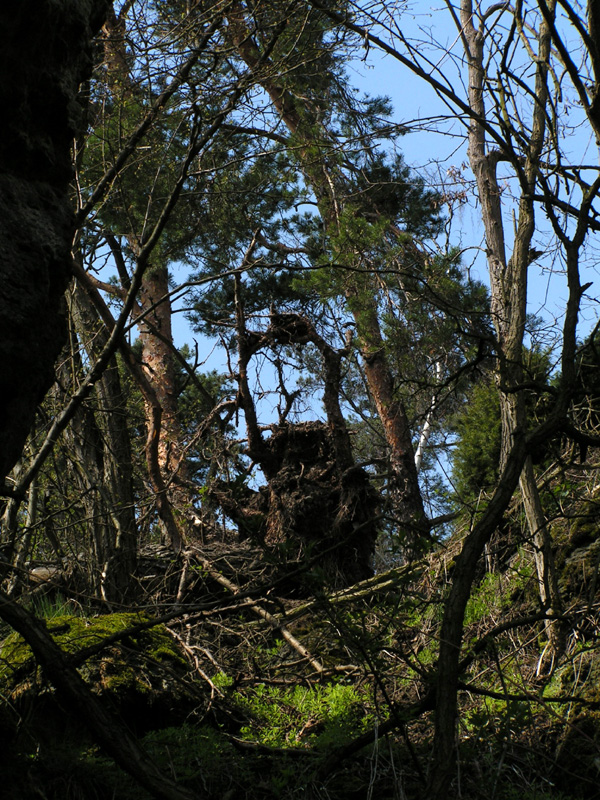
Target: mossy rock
{"points": [[142, 674]]}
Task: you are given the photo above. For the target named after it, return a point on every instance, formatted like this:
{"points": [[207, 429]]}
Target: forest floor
{"points": [[237, 690]]}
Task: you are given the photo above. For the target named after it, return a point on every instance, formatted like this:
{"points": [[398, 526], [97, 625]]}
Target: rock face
{"points": [[44, 56]]}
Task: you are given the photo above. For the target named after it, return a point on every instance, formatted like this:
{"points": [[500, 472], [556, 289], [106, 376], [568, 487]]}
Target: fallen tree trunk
{"points": [[108, 731]]}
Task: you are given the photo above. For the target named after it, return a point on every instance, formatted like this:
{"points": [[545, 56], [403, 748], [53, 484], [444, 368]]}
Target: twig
{"points": [[377, 583], [264, 614]]}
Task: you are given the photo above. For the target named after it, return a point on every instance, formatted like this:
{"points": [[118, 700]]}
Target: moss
{"points": [[297, 717], [492, 594], [73, 634], [583, 531], [141, 671]]}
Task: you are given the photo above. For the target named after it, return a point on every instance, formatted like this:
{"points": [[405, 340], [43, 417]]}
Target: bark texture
{"points": [[158, 365], [44, 56]]}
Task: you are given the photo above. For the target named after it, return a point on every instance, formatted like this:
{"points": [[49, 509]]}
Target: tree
{"points": [[372, 211], [227, 136], [48, 51], [508, 123], [312, 139], [40, 79], [363, 246], [126, 215]]}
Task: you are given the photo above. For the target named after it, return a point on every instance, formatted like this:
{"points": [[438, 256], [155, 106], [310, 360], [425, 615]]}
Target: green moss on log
{"points": [[138, 670]]}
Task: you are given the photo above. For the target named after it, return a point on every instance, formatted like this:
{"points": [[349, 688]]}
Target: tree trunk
{"points": [[105, 444], [107, 730], [44, 56], [444, 745], [544, 559], [158, 364], [404, 482], [508, 281], [155, 336], [153, 416]]}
